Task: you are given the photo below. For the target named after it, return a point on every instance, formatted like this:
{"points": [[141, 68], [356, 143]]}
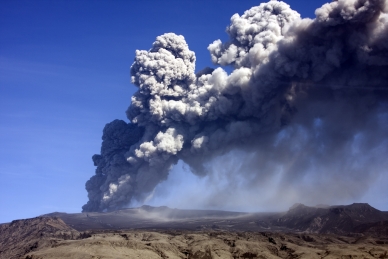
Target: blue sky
{"points": [[64, 74]]}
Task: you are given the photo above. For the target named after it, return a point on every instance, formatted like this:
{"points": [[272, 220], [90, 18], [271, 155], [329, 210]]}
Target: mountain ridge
{"points": [[337, 219]]}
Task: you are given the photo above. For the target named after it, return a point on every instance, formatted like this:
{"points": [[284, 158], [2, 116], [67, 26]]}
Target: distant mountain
{"points": [[357, 217], [354, 218], [148, 217]]}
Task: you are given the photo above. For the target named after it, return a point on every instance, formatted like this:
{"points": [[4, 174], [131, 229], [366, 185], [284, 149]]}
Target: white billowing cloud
{"points": [[306, 100]]}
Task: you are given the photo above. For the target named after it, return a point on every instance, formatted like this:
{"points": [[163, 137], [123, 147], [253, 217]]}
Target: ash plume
{"points": [[307, 99]]}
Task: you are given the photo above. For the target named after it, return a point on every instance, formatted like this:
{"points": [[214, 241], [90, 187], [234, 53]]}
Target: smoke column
{"points": [[307, 99]]}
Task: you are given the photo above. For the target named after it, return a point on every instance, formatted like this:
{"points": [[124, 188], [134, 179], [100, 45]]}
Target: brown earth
{"points": [[352, 231], [23, 236], [208, 245]]}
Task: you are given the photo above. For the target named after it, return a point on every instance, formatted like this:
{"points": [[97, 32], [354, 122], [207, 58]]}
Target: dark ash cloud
{"points": [[307, 99]]}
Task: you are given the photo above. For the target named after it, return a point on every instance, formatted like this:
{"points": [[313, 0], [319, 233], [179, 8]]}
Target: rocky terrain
{"points": [[354, 218], [23, 236], [352, 231]]}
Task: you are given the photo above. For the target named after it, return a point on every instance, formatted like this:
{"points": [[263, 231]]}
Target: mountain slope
{"points": [[334, 219], [354, 218], [22, 236]]}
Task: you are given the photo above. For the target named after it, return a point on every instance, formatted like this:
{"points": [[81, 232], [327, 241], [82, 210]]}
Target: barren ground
{"points": [[350, 231], [211, 244]]}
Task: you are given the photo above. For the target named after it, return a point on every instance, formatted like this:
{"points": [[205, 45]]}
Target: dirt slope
{"points": [[213, 244], [22, 236]]}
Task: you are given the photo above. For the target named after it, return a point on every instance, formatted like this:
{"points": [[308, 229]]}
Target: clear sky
{"points": [[64, 74]]}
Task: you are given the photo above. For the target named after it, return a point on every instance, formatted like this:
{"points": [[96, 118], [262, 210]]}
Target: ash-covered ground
{"points": [[351, 231]]}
